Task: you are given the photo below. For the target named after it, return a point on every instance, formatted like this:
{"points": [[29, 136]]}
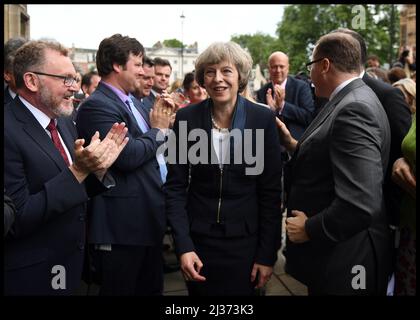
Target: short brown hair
{"points": [[162, 62], [395, 74], [341, 49], [116, 49], [225, 51], [31, 56]]}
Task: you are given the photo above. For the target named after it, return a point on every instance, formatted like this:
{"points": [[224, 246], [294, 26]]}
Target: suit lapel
{"points": [[206, 124], [319, 119], [328, 108], [144, 114], [140, 108], [66, 135], [35, 131], [128, 117], [7, 97]]}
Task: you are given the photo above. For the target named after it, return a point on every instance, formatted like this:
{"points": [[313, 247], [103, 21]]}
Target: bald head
{"points": [[278, 64]]}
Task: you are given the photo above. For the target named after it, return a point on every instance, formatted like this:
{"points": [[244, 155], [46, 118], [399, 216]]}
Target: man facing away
{"points": [[338, 241]]}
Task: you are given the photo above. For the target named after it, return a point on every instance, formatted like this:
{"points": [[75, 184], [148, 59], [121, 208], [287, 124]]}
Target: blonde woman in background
{"points": [[408, 88]]}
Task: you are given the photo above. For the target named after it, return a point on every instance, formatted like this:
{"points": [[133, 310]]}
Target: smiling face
{"points": [[278, 67], [131, 74], [196, 93], [55, 99], [162, 75], [147, 81], [221, 81]]}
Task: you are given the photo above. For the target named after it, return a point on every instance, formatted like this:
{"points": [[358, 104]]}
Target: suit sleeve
{"points": [[175, 190], [261, 98], [269, 198], [94, 117], [357, 167], [303, 111], [59, 193], [399, 117], [9, 213]]}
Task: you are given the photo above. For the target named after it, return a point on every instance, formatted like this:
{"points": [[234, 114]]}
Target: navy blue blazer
{"points": [[249, 205], [299, 108], [49, 227], [132, 213], [7, 97], [148, 102]]}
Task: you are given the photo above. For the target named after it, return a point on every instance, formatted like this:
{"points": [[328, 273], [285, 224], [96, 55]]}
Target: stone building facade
{"points": [[16, 21]]}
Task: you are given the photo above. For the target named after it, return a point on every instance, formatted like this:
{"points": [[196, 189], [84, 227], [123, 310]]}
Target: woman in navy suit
{"points": [[223, 193]]}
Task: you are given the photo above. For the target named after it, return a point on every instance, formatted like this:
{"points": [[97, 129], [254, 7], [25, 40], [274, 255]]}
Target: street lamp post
{"points": [[182, 44]]}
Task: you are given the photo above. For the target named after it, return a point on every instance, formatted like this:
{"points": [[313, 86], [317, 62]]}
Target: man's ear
{"points": [[326, 65], [31, 81], [117, 67]]}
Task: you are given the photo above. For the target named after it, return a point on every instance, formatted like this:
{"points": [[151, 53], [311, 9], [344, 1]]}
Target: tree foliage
{"points": [[172, 43], [302, 25], [259, 46]]}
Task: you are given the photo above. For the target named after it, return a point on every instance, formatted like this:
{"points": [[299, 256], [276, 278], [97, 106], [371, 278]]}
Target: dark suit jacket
{"points": [[7, 97], [9, 213], [132, 213], [250, 204], [399, 117], [299, 108], [336, 179], [49, 228], [147, 102]]}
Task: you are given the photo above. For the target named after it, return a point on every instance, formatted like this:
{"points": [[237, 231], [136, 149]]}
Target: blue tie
{"points": [[144, 127]]}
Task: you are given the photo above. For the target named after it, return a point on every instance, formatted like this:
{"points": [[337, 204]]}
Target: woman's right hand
{"points": [[191, 266]]}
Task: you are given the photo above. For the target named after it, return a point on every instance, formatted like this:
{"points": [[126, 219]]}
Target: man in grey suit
{"points": [[337, 236]]}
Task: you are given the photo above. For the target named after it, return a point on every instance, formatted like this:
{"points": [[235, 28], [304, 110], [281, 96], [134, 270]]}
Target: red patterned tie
{"points": [[57, 142]]}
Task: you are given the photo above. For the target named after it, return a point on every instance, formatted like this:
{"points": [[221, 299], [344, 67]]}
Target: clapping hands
{"points": [[99, 155]]}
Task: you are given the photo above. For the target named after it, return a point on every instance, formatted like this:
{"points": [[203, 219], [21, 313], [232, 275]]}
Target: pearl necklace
{"points": [[216, 126]]}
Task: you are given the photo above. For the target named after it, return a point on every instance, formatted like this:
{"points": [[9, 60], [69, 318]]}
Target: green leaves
{"points": [[303, 25], [259, 46], [172, 43]]}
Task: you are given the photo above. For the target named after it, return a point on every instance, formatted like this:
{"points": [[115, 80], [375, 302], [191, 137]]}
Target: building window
{"points": [[23, 25]]}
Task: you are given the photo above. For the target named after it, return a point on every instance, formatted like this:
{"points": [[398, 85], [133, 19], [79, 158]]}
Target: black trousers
{"points": [[131, 270]]}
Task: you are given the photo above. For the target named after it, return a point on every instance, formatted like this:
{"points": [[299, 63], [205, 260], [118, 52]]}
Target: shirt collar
{"points": [[40, 116], [154, 92], [341, 86], [12, 93], [123, 97], [282, 85]]}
